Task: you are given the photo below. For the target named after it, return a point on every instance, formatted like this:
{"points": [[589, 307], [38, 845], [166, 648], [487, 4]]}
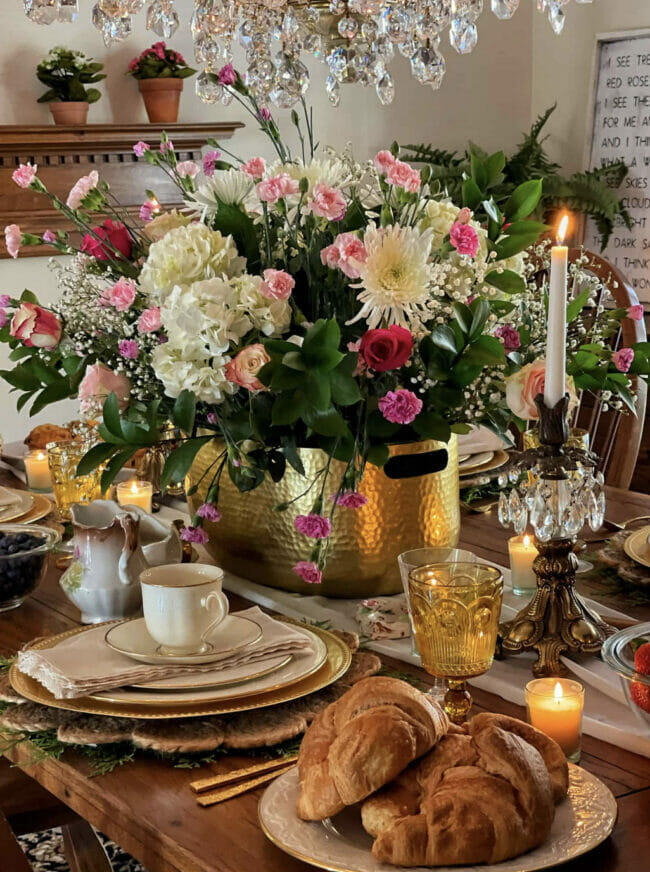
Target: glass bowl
{"points": [[618, 654], [22, 561]]}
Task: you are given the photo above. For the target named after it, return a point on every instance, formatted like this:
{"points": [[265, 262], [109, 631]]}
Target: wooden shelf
{"points": [[63, 154]]}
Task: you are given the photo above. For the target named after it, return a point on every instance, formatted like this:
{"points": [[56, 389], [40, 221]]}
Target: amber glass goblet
{"points": [[455, 609]]}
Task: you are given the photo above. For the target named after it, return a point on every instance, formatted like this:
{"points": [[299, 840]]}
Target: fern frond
{"points": [[428, 154]]}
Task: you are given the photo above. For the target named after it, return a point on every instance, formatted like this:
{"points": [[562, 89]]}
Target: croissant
{"points": [[480, 797], [362, 741]]}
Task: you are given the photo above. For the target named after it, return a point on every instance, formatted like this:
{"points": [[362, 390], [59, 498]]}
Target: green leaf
{"points": [[378, 455], [21, 377], [184, 412], [511, 245], [323, 359], [523, 200], [287, 408], [180, 460], [51, 394], [93, 458], [507, 281], [463, 315], [443, 337], [294, 360], [285, 379], [492, 210], [494, 165], [527, 227], [432, 426], [28, 296], [114, 466], [290, 451], [46, 374], [577, 305], [317, 390], [472, 195], [480, 313], [486, 351], [345, 390], [279, 346], [231, 221], [479, 172], [111, 416], [327, 423]]}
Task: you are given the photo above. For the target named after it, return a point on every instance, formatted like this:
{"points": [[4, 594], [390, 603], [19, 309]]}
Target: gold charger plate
{"points": [[40, 509], [636, 546], [19, 511], [500, 457], [336, 664]]}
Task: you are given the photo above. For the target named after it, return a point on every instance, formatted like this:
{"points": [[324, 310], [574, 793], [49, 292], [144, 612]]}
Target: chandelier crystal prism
{"points": [[356, 39]]}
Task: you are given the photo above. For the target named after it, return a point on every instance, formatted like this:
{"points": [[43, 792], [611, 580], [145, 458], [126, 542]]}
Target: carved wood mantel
{"points": [[63, 154]]}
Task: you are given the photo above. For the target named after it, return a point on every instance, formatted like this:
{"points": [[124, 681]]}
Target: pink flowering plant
{"points": [[159, 62], [308, 301]]}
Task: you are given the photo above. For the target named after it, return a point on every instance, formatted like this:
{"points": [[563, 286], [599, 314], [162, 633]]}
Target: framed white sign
{"points": [[619, 129]]}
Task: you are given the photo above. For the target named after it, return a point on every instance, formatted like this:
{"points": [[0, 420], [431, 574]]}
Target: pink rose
{"points": [[345, 253], [509, 336], [400, 406], [404, 176], [308, 571], [13, 239], [255, 167], [187, 169], [277, 284], [149, 321], [140, 147], [464, 216], [327, 202], [227, 75], [276, 188], [522, 387], [98, 382], [635, 312], [383, 161], [120, 295], [312, 525], [623, 358], [115, 233], [210, 159], [464, 238], [81, 188], [243, 368], [24, 175], [35, 327]]}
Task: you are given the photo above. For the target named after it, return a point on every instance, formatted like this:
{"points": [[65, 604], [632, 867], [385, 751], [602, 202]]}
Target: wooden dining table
{"points": [[147, 807]]}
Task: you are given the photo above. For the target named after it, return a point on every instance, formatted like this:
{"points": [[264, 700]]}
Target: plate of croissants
{"points": [[383, 779]]}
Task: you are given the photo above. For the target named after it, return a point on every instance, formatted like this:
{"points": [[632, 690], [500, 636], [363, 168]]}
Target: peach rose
{"points": [[522, 387], [277, 284], [98, 382], [35, 327], [243, 369]]}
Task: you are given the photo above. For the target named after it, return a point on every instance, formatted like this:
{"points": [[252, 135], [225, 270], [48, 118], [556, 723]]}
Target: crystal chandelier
{"points": [[356, 39]]}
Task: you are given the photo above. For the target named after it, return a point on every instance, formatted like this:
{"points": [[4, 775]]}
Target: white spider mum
{"points": [[228, 186], [395, 279]]}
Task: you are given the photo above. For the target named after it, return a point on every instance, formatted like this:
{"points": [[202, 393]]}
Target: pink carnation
{"points": [[400, 406], [402, 175], [81, 188], [464, 238], [187, 168], [383, 161], [635, 312], [48, 236], [210, 159], [149, 321], [327, 202], [211, 418], [13, 238], [128, 348], [277, 284], [194, 534], [254, 168], [146, 211], [312, 525], [4, 318], [622, 359], [276, 188], [24, 175], [5, 300], [120, 295], [345, 253], [166, 146], [227, 75], [209, 512], [308, 571], [140, 147], [350, 499], [509, 336], [265, 114]]}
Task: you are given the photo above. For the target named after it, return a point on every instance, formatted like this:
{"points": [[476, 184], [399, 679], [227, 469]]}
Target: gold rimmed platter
{"points": [[40, 509], [495, 462], [22, 506], [337, 662], [637, 547]]}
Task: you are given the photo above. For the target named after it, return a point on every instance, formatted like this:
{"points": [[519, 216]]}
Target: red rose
{"points": [[385, 349], [35, 327], [115, 233]]}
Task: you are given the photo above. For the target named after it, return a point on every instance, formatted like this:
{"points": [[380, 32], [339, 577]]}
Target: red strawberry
{"points": [[640, 694], [642, 659]]}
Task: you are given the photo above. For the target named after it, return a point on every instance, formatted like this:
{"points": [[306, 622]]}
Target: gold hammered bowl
{"points": [[262, 545]]}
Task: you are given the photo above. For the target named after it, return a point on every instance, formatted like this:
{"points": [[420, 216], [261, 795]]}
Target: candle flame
{"points": [[562, 228], [134, 487], [526, 540], [40, 456], [557, 692]]}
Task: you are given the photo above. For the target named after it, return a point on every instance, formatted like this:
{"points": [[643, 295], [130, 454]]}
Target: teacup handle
{"points": [[220, 598]]}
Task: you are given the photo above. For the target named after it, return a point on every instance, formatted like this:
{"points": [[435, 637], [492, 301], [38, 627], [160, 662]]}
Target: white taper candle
{"points": [[555, 380]]}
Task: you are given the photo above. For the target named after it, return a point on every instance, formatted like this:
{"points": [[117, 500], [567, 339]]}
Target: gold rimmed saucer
{"points": [[14, 511], [637, 548], [497, 460], [40, 509]]}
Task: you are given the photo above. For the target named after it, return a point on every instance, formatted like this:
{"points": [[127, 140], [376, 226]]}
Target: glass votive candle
{"points": [[135, 493], [37, 470], [555, 707], [522, 554]]}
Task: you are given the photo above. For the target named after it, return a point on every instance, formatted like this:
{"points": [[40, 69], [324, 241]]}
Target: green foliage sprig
{"points": [[66, 73]]}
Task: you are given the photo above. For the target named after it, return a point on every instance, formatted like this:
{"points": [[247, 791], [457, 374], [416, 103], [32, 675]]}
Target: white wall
{"points": [[486, 97], [562, 69]]}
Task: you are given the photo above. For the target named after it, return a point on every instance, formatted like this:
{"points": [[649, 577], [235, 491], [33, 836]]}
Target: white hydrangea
{"points": [[438, 216], [186, 255], [182, 364]]}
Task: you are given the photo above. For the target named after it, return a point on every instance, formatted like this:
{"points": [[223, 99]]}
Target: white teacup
{"points": [[183, 604]]}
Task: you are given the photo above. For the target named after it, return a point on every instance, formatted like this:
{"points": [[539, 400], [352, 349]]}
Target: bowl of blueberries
{"points": [[23, 553]]}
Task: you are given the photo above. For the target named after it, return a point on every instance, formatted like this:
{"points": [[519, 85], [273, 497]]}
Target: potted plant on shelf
{"points": [[66, 74], [160, 72]]}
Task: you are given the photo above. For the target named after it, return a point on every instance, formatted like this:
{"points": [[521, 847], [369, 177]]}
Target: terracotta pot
{"points": [[260, 544], [161, 98], [72, 112]]}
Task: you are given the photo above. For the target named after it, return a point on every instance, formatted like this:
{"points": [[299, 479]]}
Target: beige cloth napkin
{"points": [[84, 663], [8, 498], [480, 439]]}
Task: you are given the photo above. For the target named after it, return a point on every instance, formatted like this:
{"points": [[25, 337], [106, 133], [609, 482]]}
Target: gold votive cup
{"points": [[70, 488]]}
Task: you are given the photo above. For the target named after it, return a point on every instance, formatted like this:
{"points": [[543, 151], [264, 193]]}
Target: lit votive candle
{"points": [[135, 493], [522, 554], [38, 471], [555, 707]]}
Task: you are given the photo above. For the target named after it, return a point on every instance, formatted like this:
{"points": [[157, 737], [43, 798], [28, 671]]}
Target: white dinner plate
{"points": [[582, 821], [475, 460], [132, 638], [300, 666], [216, 677], [24, 502]]}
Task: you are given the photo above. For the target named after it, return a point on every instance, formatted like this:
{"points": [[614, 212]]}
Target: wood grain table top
{"points": [[147, 806]]}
